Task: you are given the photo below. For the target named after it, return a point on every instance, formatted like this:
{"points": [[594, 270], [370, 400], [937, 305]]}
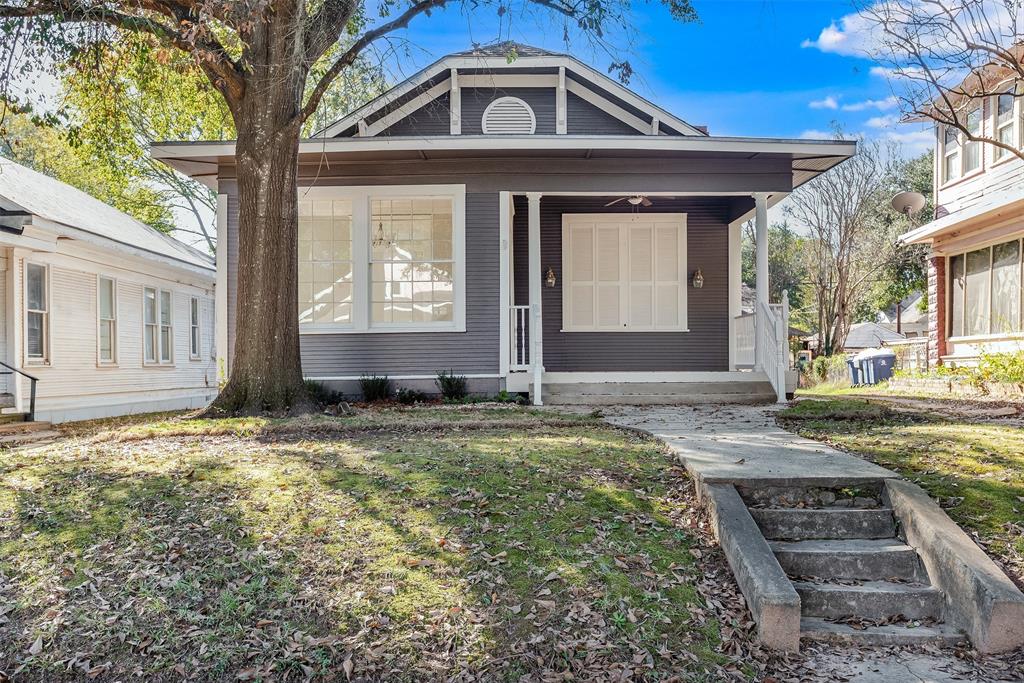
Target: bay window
{"points": [[381, 259], [985, 291]]}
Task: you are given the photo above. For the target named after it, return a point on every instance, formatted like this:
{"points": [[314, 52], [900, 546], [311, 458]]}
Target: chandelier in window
{"points": [[379, 239]]}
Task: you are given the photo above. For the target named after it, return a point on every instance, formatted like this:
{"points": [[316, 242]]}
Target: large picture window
{"points": [[985, 291], [37, 313], [382, 259]]}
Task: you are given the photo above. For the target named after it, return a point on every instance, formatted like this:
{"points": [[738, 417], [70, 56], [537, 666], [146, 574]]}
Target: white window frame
{"points": [[1015, 124], [157, 326], [362, 234], [195, 328], [684, 273], [990, 245], [46, 358], [114, 345]]}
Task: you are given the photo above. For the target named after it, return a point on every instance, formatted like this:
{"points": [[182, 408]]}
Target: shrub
{"points": [[1002, 367], [375, 387], [321, 394], [453, 387], [407, 396], [505, 397]]}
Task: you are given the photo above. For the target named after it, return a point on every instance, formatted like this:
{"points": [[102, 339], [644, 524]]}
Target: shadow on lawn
{"points": [[280, 558]]}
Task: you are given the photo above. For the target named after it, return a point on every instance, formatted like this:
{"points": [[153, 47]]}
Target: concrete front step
{"points": [[799, 524], [864, 559], [35, 438], [656, 393], [813, 628], [21, 427], [869, 600]]}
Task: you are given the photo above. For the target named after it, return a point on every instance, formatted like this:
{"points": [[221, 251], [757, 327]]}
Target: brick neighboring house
{"points": [[975, 266]]}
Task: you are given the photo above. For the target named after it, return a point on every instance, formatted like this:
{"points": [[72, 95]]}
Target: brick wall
{"points": [[936, 309]]}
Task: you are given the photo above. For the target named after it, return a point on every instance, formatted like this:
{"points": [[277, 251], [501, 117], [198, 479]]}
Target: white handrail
{"points": [[773, 343], [519, 349]]}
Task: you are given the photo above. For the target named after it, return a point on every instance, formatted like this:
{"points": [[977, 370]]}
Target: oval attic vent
{"points": [[509, 116]]}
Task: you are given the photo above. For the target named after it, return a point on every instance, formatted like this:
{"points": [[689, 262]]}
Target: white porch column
{"points": [[505, 288], [221, 292], [16, 325], [536, 331], [761, 262]]}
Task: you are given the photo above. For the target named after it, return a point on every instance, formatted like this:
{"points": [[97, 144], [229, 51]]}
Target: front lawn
{"points": [[974, 469], [391, 545]]}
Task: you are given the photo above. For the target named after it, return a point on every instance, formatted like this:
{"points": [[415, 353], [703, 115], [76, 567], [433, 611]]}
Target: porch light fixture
{"points": [[549, 277], [698, 279]]}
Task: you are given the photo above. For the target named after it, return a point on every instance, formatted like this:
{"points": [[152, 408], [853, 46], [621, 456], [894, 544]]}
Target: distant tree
{"points": [[787, 269], [945, 57]]}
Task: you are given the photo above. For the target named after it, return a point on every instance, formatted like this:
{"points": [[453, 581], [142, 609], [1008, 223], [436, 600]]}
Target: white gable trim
{"points": [[497, 64], [416, 103]]}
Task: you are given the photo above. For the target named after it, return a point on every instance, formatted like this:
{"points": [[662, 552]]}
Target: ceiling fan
{"points": [[635, 200]]}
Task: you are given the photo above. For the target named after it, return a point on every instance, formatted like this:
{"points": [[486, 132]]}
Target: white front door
{"points": [[624, 272]]}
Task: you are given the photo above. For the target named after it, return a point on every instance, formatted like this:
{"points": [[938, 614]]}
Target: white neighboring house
{"points": [[109, 315]]}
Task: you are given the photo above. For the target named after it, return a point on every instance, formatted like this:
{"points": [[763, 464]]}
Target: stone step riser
{"points": [[895, 562], [796, 524], [835, 602], [654, 399], [820, 630]]}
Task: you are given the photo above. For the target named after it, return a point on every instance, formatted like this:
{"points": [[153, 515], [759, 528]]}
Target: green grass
{"points": [[405, 544], [975, 470]]}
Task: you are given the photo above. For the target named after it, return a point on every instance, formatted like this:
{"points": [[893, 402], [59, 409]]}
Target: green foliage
{"points": [[320, 393], [375, 387], [787, 269], [407, 396], [991, 367], [453, 387], [829, 368]]}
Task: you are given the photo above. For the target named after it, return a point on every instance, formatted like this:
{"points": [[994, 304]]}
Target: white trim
{"points": [[504, 289], [361, 196], [159, 362], [198, 325], [221, 291], [508, 99], [347, 378], [409, 107], [679, 219], [115, 341], [735, 285], [561, 119], [652, 376], [455, 104], [502, 81], [671, 143], [536, 298], [498, 64], [47, 358], [608, 107]]}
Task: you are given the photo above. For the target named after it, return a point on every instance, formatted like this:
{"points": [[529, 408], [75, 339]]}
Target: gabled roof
{"points": [[869, 336], [434, 81], [22, 189]]}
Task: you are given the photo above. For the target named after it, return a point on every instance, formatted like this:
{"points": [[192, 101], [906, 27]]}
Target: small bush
{"points": [[453, 387], [407, 396], [375, 387], [829, 369], [505, 397], [321, 394], [1002, 367]]}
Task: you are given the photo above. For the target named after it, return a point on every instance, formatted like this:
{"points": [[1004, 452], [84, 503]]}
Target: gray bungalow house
{"points": [[533, 225]]}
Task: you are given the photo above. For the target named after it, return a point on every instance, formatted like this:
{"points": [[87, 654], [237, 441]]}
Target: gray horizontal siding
{"points": [[583, 118], [705, 347], [434, 118]]}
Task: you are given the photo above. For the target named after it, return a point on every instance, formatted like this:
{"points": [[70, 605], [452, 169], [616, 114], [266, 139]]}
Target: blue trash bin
{"points": [[878, 366], [855, 370]]}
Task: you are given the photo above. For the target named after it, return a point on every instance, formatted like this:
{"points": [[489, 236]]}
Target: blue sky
{"points": [[749, 67]]}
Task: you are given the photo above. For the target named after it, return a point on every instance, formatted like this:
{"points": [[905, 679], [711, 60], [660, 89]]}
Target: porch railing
{"points": [[31, 415], [772, 347], [519, 339]]}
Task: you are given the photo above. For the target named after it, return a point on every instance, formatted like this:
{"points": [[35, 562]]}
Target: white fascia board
{"points": [[640, 143], [415, 104], [498, 63]]}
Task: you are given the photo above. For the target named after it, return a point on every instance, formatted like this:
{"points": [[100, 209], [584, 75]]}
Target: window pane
{"points": [[1004, 108], [150, 343], [978, 291], [411, 264], [165, 308], [195, 341], [165, 344], [972, 150], [106, 299], [951, 168], [34, 334], [149, 301], [956, 296], [195, 310], [1006, 287], [325, 259], [35, 287], [952, 138], [106, 341]]}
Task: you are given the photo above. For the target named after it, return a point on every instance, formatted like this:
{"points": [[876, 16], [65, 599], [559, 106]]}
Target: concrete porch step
{"points": [[19, 426], [816, 629], [869, 600], [34, 438], [799, 524], [864, 559], [657, 393]]}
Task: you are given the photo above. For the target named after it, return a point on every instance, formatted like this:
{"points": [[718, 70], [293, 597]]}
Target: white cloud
{"points": [[912, 143], [881, 105], [829, 102], [849, 36], [882, 122]]}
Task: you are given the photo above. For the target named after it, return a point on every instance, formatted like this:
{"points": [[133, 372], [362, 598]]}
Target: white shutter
{"points": [[624, 274]]}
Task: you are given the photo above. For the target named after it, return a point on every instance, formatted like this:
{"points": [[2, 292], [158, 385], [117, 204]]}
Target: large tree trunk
{"points": [[266, 372]]}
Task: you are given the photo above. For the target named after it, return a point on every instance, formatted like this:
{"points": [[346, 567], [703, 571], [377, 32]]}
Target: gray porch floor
{"points": [[742, 445]]}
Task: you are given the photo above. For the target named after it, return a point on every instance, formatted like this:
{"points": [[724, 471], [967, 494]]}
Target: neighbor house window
{"points": [[950, 154], [1004, 123], [411, 267], [194, 331], [325, 262], [107, 307], [382, 259], [37, 313], [985, 291], [972, 149], [157, 326]]}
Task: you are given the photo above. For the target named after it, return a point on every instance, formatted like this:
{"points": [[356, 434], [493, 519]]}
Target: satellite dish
{"points": [[908, 203]]}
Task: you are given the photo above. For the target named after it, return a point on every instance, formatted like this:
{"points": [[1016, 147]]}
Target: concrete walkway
{"points": [[742, 445]]}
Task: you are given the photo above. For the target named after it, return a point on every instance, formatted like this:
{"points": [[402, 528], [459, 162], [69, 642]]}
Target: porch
{"points": [[635, 298]]}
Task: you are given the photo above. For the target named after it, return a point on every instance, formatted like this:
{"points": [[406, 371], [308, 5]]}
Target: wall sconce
{"points": [[698, 279], [549, 277]]}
